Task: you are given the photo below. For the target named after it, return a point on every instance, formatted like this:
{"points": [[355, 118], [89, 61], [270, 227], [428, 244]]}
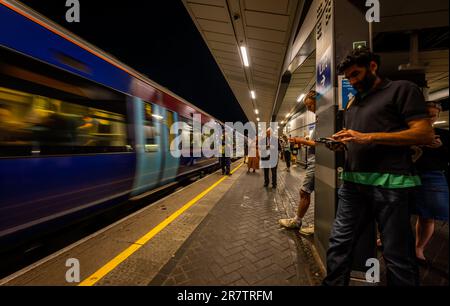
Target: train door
{"points": [[148, 121], [171, 163]]}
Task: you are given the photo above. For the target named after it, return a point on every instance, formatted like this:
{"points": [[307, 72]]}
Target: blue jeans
{"points": [[358, 204]]}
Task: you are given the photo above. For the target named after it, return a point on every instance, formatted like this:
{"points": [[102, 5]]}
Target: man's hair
{"points": [[360, 57], [312, 94], [434, 105]]}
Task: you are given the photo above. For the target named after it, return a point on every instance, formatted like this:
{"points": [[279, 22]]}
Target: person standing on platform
{"points": [[286, 151], [246, 140], [295, 152], [225, 157], [270, 144], [253, 155], [431, 199], [307, 187], [381, 123]]}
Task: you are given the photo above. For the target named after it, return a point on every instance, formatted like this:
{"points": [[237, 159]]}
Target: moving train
{"points": [[78, 129]]}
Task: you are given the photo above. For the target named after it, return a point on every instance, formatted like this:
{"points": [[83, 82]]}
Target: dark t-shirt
{"points": [[435, 159], [385, 109]]}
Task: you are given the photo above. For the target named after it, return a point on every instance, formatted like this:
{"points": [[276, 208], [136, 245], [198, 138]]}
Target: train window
{"points": [[44, 112], [31, 124]]}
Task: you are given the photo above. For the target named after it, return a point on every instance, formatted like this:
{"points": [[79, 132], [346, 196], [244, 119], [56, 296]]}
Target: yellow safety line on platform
{"points": [[103, 271]]}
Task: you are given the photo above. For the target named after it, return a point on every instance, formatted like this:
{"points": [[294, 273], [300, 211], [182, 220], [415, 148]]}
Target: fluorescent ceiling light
{"points": [[440, 122], [158, 117], [300, 98], [258, 119], [253, 94], [256, 111], [245, 56]]}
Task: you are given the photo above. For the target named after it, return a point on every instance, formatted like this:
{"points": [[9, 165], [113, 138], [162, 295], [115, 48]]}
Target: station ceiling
{"points": [[265, 28], [302, 81]]}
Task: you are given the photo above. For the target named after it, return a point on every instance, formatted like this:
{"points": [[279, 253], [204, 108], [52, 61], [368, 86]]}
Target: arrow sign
{"points": [[324, 80], [324, 73]]}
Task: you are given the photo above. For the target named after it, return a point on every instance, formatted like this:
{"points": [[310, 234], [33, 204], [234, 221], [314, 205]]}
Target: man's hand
{"points": [[303, 141], [437, 143], [346, 136]]}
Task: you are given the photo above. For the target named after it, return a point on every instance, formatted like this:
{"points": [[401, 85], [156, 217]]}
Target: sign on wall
{"points": [[324, 82], [346, 92]]}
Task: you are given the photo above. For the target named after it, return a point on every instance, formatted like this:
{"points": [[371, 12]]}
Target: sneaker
{"points": [[307, 230], [290, 223]]}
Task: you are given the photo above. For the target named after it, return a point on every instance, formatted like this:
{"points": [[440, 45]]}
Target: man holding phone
{"points": [[308, 182], [381, 123]]}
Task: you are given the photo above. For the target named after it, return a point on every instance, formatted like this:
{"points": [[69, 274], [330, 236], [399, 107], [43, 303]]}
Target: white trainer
{"points": [[307, 230], [290, 223]]}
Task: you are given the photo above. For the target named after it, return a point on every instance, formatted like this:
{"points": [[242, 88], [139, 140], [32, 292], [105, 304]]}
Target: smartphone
{"points": [[331, 142], [328, 141]]}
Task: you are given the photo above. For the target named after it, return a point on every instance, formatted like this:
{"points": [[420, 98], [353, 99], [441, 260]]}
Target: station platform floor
{"points": [[218, 231]]}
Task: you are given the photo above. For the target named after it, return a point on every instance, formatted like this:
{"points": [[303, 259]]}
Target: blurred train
{"points": [[79, 130]]}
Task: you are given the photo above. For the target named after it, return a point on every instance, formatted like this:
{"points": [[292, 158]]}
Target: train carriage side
{"points": [[76, 133], [162, 117], [66, 137]]}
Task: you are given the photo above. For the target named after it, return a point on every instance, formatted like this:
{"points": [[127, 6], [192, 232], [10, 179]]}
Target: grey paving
{"points": [[240, 242]]}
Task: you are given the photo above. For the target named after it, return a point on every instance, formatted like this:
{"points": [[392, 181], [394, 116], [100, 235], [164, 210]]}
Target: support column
{"points": [[339, 25]]}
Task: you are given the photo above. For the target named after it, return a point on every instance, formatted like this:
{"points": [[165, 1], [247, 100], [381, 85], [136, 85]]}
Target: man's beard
{"points": [[367, 83]]}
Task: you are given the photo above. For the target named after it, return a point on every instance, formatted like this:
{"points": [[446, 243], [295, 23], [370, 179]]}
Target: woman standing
{"points": [[253, 155], [432, 201]]}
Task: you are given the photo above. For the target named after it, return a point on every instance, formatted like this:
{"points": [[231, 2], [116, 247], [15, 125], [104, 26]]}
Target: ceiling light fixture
{"points": [[245, 56], [300, 98], [440, 122]]}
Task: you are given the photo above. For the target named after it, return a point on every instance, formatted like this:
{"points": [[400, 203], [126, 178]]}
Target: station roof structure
{"points": [[250, 41]]}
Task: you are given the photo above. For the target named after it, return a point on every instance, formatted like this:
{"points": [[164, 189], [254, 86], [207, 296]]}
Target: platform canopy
{"points": [[250, 41]]}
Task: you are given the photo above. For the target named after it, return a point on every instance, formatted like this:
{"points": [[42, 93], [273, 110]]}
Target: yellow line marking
{"points": [[103, 271]]}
